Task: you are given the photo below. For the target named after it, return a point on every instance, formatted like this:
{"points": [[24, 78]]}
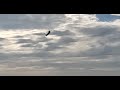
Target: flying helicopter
{"points": [[48, 33]]}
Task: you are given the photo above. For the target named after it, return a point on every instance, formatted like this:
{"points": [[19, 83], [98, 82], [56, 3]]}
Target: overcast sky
{"points": [[77, 42]]}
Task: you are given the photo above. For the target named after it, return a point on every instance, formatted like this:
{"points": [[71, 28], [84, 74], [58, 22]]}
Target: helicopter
{"points": [[48, 33]]}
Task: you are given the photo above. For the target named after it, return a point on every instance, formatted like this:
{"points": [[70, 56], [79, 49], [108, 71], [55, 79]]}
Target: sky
{"points": [[78, 44]]}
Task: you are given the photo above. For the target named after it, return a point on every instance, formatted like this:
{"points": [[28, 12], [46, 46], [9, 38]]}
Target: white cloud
{"points": [[115, 14]]}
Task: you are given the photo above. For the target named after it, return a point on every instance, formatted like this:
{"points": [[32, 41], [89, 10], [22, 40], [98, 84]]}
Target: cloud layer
{"points": [[72, 35]]}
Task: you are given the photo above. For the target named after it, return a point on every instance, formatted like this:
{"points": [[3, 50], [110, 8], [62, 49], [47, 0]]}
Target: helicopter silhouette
{"points": [[48, 33]]}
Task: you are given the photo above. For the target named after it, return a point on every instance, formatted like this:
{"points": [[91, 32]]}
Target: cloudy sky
{"points": [[78, 43]]}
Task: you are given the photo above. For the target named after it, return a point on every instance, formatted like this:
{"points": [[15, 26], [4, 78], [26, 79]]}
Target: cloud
{"points": [[60, 66], [38, 33], [60, 44], [74, 34], [63, 33], [115, 14], [1, 39], [18, 36], [25, 46], [100, 30], [28, 45], [30, 21], [24, 41]]}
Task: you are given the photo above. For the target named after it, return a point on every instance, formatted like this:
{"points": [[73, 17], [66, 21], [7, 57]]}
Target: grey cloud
{"points": [[24, 41], [62, 33], [105, 36], [53, 47], [67, 40], [18, 36], [41, 53], [1, 39], [2, 42], [115, 50], [16, 56], [23, 21], [60, 44], [43, 39], [6, 56], [1, 46], [27, 45], [114, 37], [100, 30], [38, 33], [98, 51], [38, 46], [68, 64]]}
